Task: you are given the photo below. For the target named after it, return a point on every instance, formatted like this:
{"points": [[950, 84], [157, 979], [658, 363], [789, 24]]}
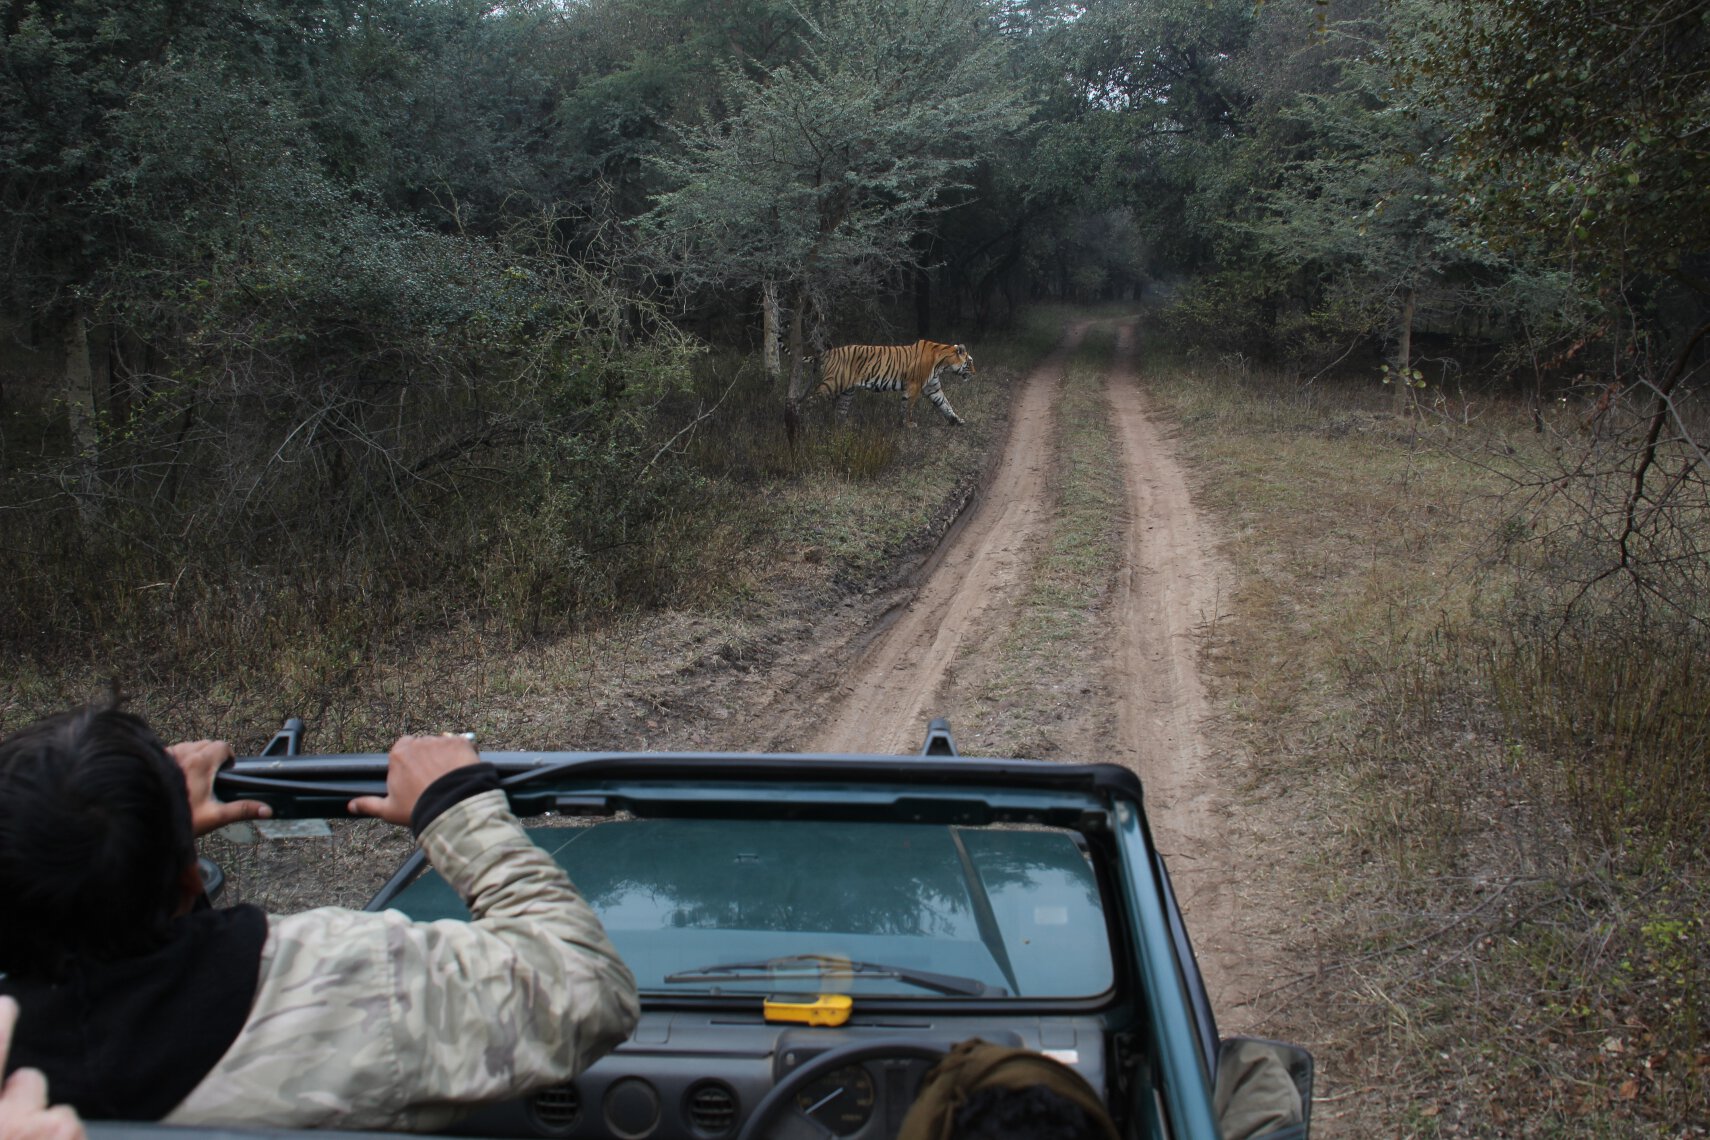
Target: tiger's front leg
{"points": [[935, 393]]}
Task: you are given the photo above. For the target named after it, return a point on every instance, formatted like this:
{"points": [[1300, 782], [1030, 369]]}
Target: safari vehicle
{"points": [[810, 933]]}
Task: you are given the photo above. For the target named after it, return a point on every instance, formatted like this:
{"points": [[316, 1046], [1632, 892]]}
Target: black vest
{"points": [[129, 1039]]}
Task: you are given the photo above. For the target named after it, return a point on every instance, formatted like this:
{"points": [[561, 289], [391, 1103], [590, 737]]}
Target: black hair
{"points": [[94, 839], [1033, 1112]]}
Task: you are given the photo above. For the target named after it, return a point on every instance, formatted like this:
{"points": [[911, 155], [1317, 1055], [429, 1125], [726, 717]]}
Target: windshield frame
{"points": [[947, 790], [949, 818], [739, 907]]}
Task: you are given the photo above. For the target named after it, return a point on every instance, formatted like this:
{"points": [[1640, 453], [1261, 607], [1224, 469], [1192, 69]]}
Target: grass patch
{"points": [[1621, 733], [1077, 563], [1499, 801], [854, 496]]}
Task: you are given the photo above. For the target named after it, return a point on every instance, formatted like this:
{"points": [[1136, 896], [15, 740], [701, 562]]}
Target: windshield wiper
{"points": [[830, 966]]}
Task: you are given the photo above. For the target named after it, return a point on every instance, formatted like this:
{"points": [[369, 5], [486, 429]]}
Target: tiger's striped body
{"points": [[907, 368]]}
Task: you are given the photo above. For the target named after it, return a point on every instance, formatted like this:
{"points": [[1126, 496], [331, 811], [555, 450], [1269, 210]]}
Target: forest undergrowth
{"points": [[1497, 770], [228, 645]]}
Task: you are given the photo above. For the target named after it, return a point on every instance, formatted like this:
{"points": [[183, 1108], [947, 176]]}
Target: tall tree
{"points": [[816, 183], [1586, 124], [642, 67], [1361, 198], [1585, 147]]}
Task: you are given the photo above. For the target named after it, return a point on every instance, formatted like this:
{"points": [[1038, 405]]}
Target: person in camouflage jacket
{"points": [[328, 1018]]}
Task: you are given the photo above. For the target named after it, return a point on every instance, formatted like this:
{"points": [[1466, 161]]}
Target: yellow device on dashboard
{"points": [[810, 1009]]}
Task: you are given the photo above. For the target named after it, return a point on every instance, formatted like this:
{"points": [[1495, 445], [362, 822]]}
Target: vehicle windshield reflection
{"points": [[1007, 910]]}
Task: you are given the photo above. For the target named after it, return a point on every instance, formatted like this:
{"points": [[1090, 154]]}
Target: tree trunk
{"points": [[792, 401], [769, 333], [80, 413], [1404, 356], [922, 302], [798, 374]]}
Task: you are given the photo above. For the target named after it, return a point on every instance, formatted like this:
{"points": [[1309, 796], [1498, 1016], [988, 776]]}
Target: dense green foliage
{"points": [[417, 274]]}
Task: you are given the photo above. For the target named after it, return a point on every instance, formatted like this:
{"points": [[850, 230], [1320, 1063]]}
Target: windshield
{"points": [[871, 909]]}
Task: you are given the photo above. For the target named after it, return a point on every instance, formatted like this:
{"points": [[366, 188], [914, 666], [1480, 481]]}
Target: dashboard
{"points": [[702, 1075]]}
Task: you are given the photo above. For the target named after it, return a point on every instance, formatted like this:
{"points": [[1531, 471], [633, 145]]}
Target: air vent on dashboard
{"points": [[558, 1108], [711, 1108]]}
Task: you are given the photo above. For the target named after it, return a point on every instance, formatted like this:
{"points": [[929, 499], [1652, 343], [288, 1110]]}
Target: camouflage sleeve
{"points": [[373, 1021]]}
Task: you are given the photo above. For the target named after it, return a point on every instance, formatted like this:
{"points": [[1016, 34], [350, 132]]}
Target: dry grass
{"points": [[754, 522], [1053, 639], [1500, 953]]}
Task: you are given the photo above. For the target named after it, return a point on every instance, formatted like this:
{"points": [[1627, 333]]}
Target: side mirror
{"points": [[213, 879], [1264, 1089]]}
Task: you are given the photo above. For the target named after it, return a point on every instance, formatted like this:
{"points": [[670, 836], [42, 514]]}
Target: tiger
{"points": [[907, 368]]}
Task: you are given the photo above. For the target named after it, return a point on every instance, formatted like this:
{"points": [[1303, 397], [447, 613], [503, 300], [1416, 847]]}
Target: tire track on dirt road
{"points": [[1148, 691], [1168, 598], [885, 699]]}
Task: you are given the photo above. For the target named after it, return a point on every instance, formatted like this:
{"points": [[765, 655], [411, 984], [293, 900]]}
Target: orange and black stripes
{"points": [[907, 368]]}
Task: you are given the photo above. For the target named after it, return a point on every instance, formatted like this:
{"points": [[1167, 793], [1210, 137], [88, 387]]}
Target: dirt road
{"points": [[965, 600], [868, 674], [1145, 705]]}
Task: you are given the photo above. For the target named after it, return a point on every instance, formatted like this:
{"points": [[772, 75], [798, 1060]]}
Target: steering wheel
{"points": [[776, 1117]]}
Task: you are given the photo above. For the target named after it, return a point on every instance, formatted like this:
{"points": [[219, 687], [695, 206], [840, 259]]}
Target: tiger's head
{"points": [[959, 361]]}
